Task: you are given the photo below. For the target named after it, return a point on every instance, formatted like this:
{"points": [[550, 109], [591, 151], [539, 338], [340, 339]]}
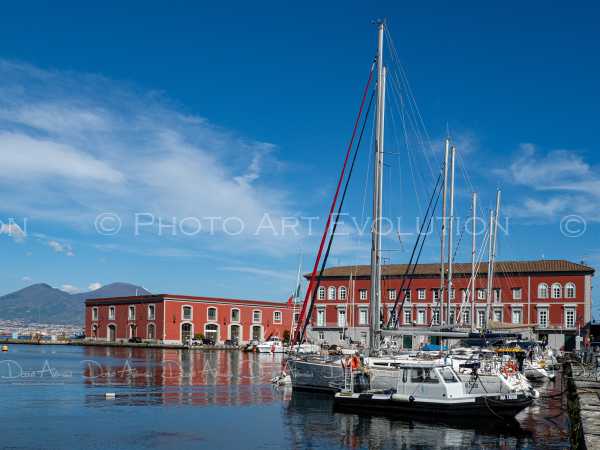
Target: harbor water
{"points": [[54, 397]]}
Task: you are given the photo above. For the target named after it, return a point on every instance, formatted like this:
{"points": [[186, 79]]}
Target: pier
{"points": [[584, 402]]}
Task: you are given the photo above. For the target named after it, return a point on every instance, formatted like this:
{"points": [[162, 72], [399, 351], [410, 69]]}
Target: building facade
{"points": [[547, 299], [175, 319]]}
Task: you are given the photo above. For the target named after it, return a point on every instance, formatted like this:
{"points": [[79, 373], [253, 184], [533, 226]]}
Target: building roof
{"points": [[190, 298], [500, 267]]}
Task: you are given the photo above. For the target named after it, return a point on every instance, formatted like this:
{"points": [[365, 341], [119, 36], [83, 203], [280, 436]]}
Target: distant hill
{"points": [[43, 303]]}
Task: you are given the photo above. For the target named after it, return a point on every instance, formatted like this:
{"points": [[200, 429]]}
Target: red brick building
{"points": [[173, 319], [550, 298]]}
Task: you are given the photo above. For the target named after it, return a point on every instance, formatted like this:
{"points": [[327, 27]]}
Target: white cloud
{"points": [[61, 247], [29, 157], [94, 286], [69, 288], [564, 181], [79, 145], [13, 230], [26, 279]]}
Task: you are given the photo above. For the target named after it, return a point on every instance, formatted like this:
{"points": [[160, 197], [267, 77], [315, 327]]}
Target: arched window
{"points": [[556, 290], [542, 290], [570, 290], [342, 293], [321, 293], [212, 314], [151, 331], [331, 293]]}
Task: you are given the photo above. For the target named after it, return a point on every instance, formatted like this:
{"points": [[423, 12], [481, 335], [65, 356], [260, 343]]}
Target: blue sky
{"points": [[185, 112]]}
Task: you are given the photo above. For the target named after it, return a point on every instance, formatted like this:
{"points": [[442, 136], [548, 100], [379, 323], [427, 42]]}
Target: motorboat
{"points": [[426, 389], [273, 345]]}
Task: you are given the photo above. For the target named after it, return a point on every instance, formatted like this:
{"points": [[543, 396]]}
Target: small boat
{"points": [[273, 345], [537, 370], [428, 389]]}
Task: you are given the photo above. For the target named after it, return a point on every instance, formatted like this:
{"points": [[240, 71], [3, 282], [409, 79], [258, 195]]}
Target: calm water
{"points": [[54, 397]]}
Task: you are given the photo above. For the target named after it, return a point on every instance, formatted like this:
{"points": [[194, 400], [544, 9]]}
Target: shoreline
{"points": [[84, 343]]}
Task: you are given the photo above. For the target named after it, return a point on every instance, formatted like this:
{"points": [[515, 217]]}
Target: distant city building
{"points": [[175, 319], [549, 299]]}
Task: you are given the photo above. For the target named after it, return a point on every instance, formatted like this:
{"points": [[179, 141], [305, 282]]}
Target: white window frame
{"points": [[512, 316], [435, 294], [95, 313], [517, 293], [277, 320], [497, 295], [131, 312], [407, 314], [363, 316], [151, 308], [480, 294], [570, 290], [543, 290], [466, 316], [148, 331], [422, 294], [254, 311], [496, 311], [452, 293], [321, 335], [407, 295], [547, 314], [392, 294], [363, 294], [480, 317], [208, 310], [239, 314], [342, 293], [421, 316], [183, 317], [570, 309], [435, 320], [556, 291], [331, 293], [320, 317], [321, 293], [112, 312], [341, 312]]}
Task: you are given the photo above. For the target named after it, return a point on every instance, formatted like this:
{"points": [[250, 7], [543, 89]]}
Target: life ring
{"points": [[508, 370]]}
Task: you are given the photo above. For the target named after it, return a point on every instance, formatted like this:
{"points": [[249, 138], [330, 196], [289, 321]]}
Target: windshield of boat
{"points": [[423, 375], [448, 375]]}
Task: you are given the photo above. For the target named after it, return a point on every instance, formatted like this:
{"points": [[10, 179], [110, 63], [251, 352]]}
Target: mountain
{"points": [[44, 304]]}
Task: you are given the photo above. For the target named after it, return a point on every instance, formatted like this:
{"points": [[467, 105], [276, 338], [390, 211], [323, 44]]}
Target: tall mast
{"points": [[377, 201], [443, 232], [491, 276], [489, 272], [471, 291], [450, 229]]}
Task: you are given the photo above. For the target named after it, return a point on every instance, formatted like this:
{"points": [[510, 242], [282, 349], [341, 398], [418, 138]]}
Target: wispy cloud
{"points": [[70, 289], [94, 286], [76, 145], [559, 182], [59, 247]]}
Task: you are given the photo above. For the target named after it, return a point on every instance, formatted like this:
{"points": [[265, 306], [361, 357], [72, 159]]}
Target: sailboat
{"points": [[398, 382]]}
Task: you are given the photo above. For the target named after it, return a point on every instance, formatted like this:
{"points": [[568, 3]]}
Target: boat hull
{"points": [[480, 407], [321, 376]]}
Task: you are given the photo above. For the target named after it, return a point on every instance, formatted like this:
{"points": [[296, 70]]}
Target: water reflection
{"points": [[203, 395], [171, 376]]}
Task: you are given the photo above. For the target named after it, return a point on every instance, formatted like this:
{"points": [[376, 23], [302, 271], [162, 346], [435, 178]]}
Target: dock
{"points": [[584, 403]]}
